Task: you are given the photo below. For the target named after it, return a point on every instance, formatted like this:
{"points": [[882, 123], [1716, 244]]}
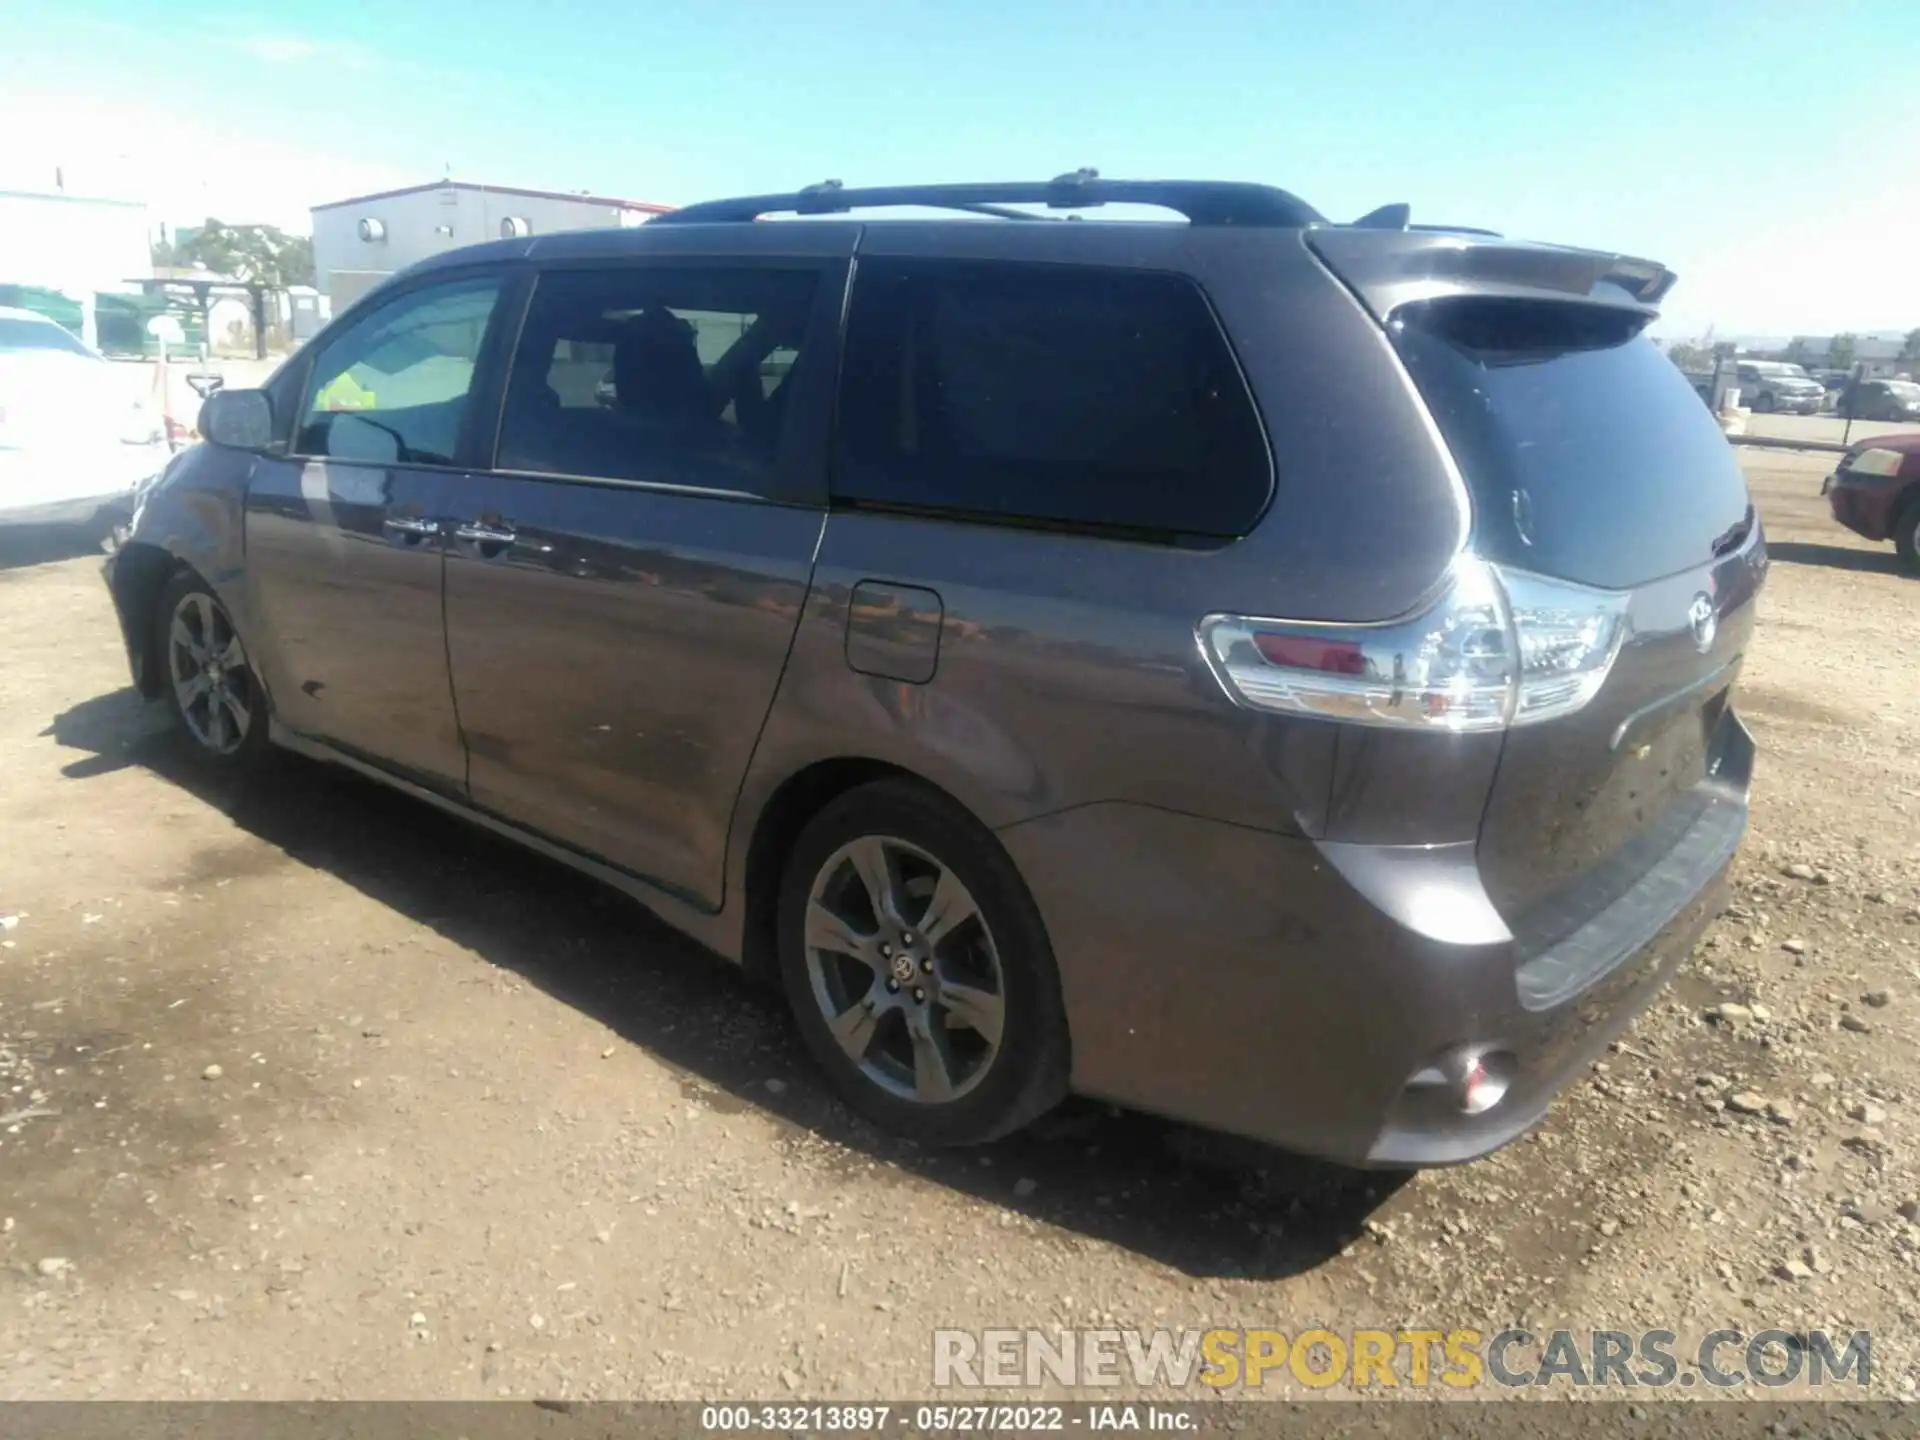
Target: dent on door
{"points": [[343, 563], [893, 631]]}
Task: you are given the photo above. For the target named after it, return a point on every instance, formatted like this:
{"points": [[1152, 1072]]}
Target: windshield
{"points": [[20, 335]]}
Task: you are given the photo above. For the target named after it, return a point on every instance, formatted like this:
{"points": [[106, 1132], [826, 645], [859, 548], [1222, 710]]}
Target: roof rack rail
{"points": [[1203, 202], [1454, 230]]}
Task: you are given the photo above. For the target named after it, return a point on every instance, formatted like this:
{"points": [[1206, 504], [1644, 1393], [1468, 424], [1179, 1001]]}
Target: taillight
{"points": [[1501, 647]]}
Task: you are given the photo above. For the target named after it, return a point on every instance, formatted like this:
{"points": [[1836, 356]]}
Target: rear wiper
{"points": [[1735, 535]]}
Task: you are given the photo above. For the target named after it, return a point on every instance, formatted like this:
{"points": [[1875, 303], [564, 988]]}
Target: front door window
{"points": [[393, 389]]}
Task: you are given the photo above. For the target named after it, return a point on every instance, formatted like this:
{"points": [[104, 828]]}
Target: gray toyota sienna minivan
{"points": [[1271, 672]]}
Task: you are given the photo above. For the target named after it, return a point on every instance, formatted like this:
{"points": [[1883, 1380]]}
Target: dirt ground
{"points": [[310, 1092]]}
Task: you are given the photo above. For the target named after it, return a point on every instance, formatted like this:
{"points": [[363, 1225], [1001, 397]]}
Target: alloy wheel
{"points": [[904, 970], [212, 684]]}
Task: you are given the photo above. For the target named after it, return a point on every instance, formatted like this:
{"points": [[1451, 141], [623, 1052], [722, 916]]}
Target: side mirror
{"points": [[237, 419]]}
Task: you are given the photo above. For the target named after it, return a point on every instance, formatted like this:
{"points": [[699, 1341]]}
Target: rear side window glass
{"points": [[666, 375], [1046, 394], [1588, 453]]}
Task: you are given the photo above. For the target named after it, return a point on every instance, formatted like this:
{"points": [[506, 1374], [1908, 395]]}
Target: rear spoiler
{"points": [[1391, 268]]}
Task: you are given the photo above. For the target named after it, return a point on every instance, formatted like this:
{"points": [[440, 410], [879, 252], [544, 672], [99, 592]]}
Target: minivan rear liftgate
{"points": [[1591, 462], [1596, 622]]}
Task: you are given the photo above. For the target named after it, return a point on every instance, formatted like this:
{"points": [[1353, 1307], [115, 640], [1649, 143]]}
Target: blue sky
{"points": [[1718, 137]]}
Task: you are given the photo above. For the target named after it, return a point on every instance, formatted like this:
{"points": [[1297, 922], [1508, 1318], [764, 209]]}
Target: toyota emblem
{"points": [[1702, 620]]}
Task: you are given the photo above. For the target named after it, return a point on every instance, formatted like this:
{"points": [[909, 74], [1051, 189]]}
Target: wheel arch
{"points": [[140, 572], [793, 803], [1903, 514]]}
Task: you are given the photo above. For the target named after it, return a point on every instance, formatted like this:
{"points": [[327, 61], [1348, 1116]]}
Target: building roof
{"points": [[62, 198], [186, 273], [647, 205]]}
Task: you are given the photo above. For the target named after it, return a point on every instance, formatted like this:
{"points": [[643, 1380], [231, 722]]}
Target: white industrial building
{"points": [[76, 245], [359, 242]]}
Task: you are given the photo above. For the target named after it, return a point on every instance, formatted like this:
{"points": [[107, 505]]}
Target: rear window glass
{"points": [[1102, 399], [1588, 454], [666, 374], [38, 335]]}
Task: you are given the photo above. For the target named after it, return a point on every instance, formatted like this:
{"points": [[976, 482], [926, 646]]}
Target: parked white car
{"points": [[74, 440]]}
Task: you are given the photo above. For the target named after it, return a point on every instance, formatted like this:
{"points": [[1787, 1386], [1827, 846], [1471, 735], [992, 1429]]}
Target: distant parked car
{"points": [[1885, 400], [1773, 385], [1833, 384], [72, 444], [1875, 492]]}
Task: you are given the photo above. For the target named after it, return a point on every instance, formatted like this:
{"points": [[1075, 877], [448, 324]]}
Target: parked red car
{"points": [[1875, 492]]}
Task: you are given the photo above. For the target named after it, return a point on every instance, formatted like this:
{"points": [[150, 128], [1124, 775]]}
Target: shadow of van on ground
{"points": [[1205, 1204]]}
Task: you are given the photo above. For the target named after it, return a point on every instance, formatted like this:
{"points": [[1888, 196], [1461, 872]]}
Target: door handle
{"points": [[483, 534], [411, 528]]}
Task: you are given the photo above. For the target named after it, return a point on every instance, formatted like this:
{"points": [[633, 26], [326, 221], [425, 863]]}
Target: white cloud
{"points": [[279, 49], [183, 169], [303, 50]]}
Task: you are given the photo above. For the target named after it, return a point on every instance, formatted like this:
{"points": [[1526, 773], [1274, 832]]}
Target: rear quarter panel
{"points": [[1068, 671]]}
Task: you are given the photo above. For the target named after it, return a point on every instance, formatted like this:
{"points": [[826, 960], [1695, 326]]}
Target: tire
{"points": [[1906, 537], [1763, 403], [954, 1040], [224, 724]]}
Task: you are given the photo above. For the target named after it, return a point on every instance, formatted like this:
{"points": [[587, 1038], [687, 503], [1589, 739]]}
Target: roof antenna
{"points": [[1387, 217], [1070, 190], [820, 199]]}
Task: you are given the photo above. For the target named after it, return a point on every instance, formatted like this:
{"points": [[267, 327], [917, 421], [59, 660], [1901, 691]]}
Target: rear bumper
{"points": [[1294, 991], [80, 487], [82, 510], [1578, 995]]}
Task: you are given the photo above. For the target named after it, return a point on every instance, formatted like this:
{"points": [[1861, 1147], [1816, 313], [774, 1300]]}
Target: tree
{"points": [[296, 260], [1840, 350], [1910, 347], [1691, 354], [262, 253], [1798, 352]]}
